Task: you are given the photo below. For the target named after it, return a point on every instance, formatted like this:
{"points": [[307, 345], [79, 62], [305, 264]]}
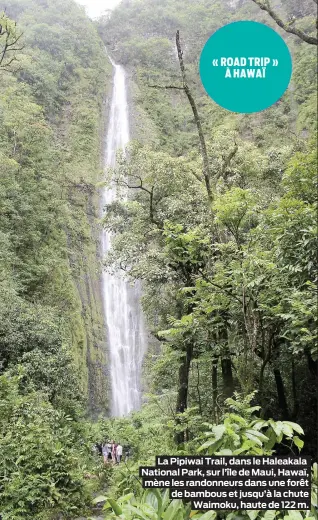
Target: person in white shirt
{"points": [[119, 453]]}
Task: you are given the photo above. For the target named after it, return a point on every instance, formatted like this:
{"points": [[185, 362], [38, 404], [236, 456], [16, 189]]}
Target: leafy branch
{"points": [[9, 42], [150, 192], [287, 26]]}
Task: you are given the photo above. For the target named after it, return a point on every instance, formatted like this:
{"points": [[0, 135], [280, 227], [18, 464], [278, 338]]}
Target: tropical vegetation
{"points": [[216, 218]]}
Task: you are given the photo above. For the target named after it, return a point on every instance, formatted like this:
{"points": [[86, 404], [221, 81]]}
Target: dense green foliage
{"points": [[51, 119], [142, 37], [229, 279], [228, 275], [51, 339], [229, 282], [240, 431], [40, 459]]}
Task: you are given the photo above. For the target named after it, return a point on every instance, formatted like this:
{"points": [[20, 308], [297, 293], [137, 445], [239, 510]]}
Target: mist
{"points": [[95, 8]]}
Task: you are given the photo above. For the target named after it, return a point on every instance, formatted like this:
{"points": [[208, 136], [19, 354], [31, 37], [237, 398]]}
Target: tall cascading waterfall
{"points": [[127, 342]]}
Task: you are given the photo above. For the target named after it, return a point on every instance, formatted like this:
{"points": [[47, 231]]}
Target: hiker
{"points": [[105, 452], [109, 446], [119, 453], [114, 452], [127, 452], [98, 448]]}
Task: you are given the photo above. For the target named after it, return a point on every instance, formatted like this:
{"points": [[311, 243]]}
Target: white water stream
{"points": [[125, 326]]}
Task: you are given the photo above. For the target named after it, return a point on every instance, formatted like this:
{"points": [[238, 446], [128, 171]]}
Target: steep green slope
{"points": [[228, 275], [51, 109], [53, 363], [141, 34]]}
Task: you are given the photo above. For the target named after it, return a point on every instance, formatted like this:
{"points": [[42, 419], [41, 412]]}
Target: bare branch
{"points": [[8, 63], [288, 27], [204, 153], [8, 41], [140, 187], [166, 87], [186, 89], [150, 193], [3, 53], [229, 292], [16, 49]]}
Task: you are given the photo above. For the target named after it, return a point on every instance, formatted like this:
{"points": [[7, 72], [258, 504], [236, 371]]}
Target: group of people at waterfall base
{"points": [[112, 452]]}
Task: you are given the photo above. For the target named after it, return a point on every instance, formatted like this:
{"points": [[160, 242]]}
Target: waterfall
{"points": [[123, 315]]}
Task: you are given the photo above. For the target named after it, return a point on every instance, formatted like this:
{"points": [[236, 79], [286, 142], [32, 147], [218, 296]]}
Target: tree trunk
{"points": [[198, 389], [281, 393], [312, 364], [227, 376], [294, 389], [203, 148], [214, 388], [183, 385], [288, 27]]}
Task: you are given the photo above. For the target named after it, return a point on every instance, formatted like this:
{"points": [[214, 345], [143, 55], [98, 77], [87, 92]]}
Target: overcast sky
{"points": [[96, 7]]}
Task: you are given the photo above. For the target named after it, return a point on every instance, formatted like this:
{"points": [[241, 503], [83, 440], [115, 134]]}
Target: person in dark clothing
{"points": [[109, 446], [98, 448], [114, 452], [127, 452]]}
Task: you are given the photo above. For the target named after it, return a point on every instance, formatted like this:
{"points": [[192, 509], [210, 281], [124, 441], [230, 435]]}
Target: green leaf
{"points": [[100, 499], [299, 443], [209, 515], [172, 510], [238, 418], [252, 514], [213, 445], [288, 430], [253, 438], [269, 515], [295, 427], [154, 499], [218, 431], [257, 425], [277, 427], [126, 498], [115, 507], [258, 434], [314, 496], [271, 435], [295, 515], [136, 511]]}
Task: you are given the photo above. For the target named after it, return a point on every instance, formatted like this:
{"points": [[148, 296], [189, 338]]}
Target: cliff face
{"points": [[53, 126], [84, 120], [91, 346], [87, 324]]}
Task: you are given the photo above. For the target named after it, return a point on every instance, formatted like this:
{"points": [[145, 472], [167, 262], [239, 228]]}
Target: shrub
{"points": [[41, 472]]}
